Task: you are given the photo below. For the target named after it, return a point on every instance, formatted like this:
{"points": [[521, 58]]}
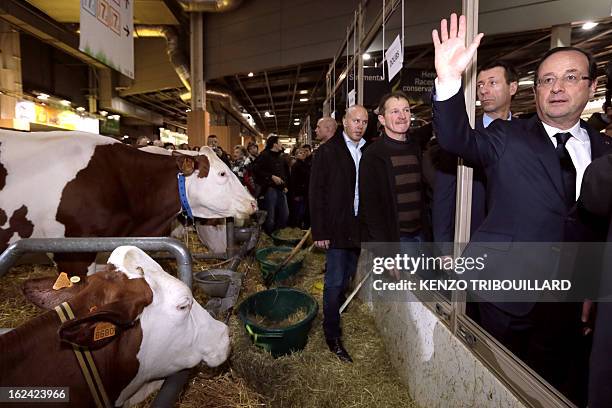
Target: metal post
{"points": [[463, 209], [229, 233], [359, 34], [561, 35]]}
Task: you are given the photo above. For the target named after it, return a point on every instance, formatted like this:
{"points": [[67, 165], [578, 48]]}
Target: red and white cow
{"points": [[159, 330], [74, 184]]}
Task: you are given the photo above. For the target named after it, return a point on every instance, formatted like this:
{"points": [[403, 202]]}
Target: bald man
{"points": [[326, 128], [334, 201]]}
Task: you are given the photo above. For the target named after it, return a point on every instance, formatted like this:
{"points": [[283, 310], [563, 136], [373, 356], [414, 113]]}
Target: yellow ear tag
{"points": [[62, 282], [103, 330]]}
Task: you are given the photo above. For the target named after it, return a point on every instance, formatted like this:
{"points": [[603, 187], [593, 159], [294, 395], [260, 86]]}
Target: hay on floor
{"points": [[15, 309], [314, 377]]}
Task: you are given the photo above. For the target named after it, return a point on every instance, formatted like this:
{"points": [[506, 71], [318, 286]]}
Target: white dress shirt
{"points": [[355, 151]]}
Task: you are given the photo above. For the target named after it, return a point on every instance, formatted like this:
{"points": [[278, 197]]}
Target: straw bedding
{"points": [[252, 378]]}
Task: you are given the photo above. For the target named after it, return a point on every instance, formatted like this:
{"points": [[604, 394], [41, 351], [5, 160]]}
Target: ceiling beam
{"points": [[251, 102], [297, 77], [271, 100]]}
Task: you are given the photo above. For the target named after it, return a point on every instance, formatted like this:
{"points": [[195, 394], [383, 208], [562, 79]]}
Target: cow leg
{"points": [[74, 263]]}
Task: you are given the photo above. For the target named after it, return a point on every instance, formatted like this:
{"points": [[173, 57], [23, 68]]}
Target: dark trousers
{"points": [[275, 204], [548, 339], [600, 370], [341, 267], [297, 212]]}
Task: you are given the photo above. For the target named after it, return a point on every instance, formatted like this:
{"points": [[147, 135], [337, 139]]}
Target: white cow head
{"points": [[213, 190], [177, 332]]}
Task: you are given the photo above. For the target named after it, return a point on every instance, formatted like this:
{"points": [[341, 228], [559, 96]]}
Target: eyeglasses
{"points": [[570, 79]]}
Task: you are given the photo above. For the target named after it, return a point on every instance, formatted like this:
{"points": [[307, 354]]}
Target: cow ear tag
{"points": [[103, 330], [62, 282]]}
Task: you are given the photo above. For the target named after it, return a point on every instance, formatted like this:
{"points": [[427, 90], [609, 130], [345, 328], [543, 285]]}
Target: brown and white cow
{"points": [[74, 184], [160, 329]]}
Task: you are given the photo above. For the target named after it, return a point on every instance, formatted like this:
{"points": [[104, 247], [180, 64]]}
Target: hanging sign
{"points": [[394, 57], [351, 98], [107, 33]]}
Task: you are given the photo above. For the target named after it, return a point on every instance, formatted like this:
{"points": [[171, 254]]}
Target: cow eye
{"points": [[222, 174], [185, 305]]}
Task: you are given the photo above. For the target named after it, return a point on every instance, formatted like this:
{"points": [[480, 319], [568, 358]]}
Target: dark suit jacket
{"points": [[525, 197], [445, 192], [332, 193], [596, 197]]}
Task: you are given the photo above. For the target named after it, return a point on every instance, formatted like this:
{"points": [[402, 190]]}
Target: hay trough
{"points": [[287, 236], [278, 320], [269, 258]]}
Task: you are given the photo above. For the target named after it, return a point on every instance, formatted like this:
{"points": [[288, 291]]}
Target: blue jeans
{"points": [[341, 267], [275, 204]]}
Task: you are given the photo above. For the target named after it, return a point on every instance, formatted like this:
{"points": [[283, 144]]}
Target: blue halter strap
{"points": [[186, 209]]}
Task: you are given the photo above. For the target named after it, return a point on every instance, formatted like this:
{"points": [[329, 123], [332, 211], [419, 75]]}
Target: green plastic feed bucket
{"points": [[275, 305], [280, 241], [268, 267]]}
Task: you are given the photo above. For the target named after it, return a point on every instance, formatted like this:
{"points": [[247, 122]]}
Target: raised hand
{"points": [[451, 55]]}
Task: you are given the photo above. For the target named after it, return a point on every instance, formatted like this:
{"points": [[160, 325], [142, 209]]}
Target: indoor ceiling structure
{"points": [[277, 96], [523, 51], [280, 99]]}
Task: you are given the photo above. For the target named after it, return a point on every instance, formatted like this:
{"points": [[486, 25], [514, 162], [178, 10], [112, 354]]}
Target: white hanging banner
{"points": [[107, 33], [351, 98], [394, 57]]}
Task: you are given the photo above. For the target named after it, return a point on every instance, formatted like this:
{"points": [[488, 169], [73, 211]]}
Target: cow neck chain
{"points": [[86, 362], [185, 207]]}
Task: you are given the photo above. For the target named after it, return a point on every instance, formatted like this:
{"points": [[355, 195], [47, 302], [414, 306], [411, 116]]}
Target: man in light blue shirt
{"points": [[334, 201]]}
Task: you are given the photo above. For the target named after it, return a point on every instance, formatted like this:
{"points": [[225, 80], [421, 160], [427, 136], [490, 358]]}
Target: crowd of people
{"points": [[532, 183]]}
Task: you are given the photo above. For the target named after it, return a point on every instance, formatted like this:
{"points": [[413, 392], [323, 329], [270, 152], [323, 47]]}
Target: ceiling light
{"points": [[268, 114], [80, 109], [589, 25], [526, 82], [43, 96], [65, 102], [250, 74], [187, 110], [303, 99], [303, 92], [478, 103], [366, 57], [103, 113]]}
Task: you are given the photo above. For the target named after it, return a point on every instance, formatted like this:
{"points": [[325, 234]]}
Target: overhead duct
{"points": [[179, 62], [209, 6], [231, 106], [175, 54]]}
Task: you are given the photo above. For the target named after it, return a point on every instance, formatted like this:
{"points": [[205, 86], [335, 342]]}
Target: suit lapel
{"points": [[541, 144], [343, 148]]}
